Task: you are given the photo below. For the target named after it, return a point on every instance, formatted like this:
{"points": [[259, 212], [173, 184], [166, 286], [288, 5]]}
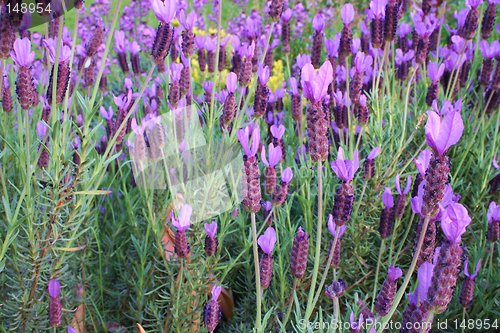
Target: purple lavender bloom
{"points": [[231, 81], [164, 10], [377, 8], [175, 71], [424, 276], [267, 240], [407, 188], [434, 72], [422, 161], [51, 44], [277, 131], [318, 22], [362, 62], [182, 223], [394, 273], [71, 330], [403, 57], [302, 60], [41, 130], [454, 222], [294, 88], [473, 3], [476, 271], [493, 212], [187, 21], [374, 153], [315, 84], [274, 155], [21, 53], [442, 133], [387, 198], [249, 148], [120, 41], [334, 229], [332, 46], [347, 13], [286, 15], [54, 288], [488, 50], [263, 73], [287, 175], [345, 169], [211, 229]]}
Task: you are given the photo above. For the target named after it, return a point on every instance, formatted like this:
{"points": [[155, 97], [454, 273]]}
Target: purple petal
{"points": [[287, 175], [493, 212], [443, 133], [347, 13], [267, 240], [454, 222], [211, 228], [424, 274], [373, 153], [423, 160], [231, 80], [394, 273], [54, 288], [387, 198], [216, 290]]}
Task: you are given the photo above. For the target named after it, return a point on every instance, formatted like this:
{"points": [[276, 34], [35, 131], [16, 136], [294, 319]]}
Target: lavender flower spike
{"points": [[315, 84], [345, 169], [387, 216], [454, 222], [467, 292], [212, 313], [435, 72], [298, 256], [442, 133], [55, 305], [388, 291], [493, 217], [266, 243], [164, 10], [369, 165], [211, 241]]}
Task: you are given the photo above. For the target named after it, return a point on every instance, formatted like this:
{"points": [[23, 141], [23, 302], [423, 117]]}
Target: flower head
{"points": [[347, 13], [454, 221], [182, 223], [187, 21], [21, 53], [294, 88], [493, 212], [378, 8], [267, 240], [51, 45], [345, 169], [394, 273], [277, 131], [287, 175], [231, 80], [211, 229], [387, 198], [274, 155], [466, 269], [435, 72], [54, 288], [249, 142], [334, 229], [422, 161], [424, 276], [408, 185], [442, 133], [263, 73], [318, 22], [373, 153], [175, 71], [164, 9], [216, 290], [315, 84], [120, 41], [41, 129]]}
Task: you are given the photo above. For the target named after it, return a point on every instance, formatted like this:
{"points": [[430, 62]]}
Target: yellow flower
{"points": [[276, 80], [175, 23], [195, 70]]}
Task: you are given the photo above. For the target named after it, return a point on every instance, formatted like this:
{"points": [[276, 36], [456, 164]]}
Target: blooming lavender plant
{"points": [[266, 243], [344, 196]]}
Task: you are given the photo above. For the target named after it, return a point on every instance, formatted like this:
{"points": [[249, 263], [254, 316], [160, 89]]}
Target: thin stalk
{"points": [[258, 319], [290, 301], [403, 241], [401, 291], [310, 298], [2, 63], [328, 264], [377, 271]]}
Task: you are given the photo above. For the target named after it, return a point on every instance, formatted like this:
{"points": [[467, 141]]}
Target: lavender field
{"points": [[249, 166]]}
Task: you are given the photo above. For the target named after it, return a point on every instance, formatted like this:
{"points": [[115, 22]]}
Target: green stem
{"points": [[258, 320], [384, 320], [289, 310], [310, 305], [401, 244], [328, 264], [377, 270]]}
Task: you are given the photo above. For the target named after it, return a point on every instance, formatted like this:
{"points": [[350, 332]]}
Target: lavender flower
{"points": [[182, 223], [212, 311], [165, 13], [493, 217], [317, 44], [388, 291], [435, 73], [467, 292], [336, 289], [274, 158], [441, 135], [344, 196], [422, 163], [6, 96], [377, 8], [489, 51], [298, 256], [472, 20], [416, 311], [285, 30], [315, 86], [266, 243], [251, 192], [23, 57], [262, 91], [281, 192], [339, 232], [387, 216], [55, 305], [347, 13], [8, 35], [229, 109], [211, 241], [488, 19], [369, 165], [401, 200], [453, 223]]}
